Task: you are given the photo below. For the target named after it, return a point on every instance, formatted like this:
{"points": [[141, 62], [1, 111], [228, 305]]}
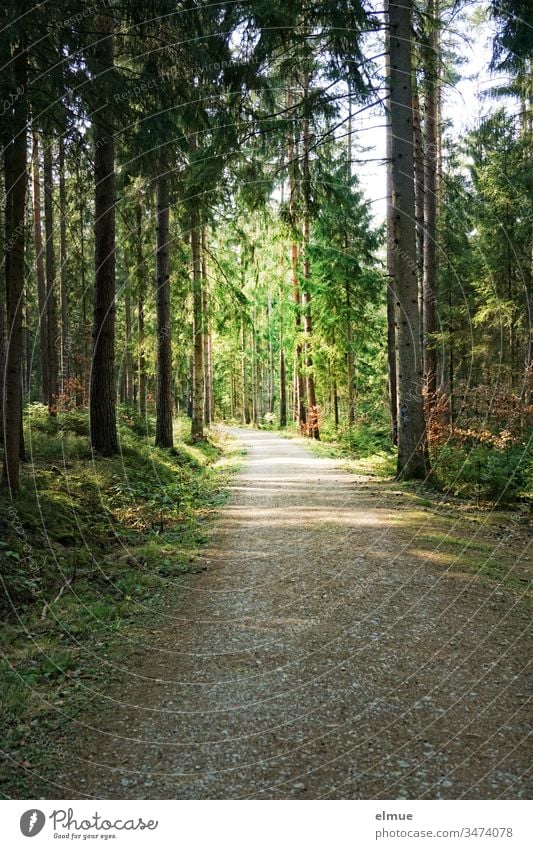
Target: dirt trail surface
{"points": [[321, 653]]}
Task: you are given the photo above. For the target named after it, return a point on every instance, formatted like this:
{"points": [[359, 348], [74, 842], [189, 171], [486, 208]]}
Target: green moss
{"points": [[88, 549]]}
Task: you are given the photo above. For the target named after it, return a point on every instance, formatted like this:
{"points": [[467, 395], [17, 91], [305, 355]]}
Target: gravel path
{"points": [[321, 654]]}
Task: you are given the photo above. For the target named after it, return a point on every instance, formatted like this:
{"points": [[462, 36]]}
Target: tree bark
{"points": [[15, 181], [163, 428], [312, 411], [255, 378], [431, 165], [84, 370], [63, 267], [197, 424], [206, 336], [39, 267], [282, 390], [419, 201], [3, 283], [271, 378], [412, 447], [282, 367], [391, 254], [51, 300], [103, 391], [128, 356], [300, 408], [350, 363], [335, 404], [141, 289], [244, 377], [300, 411]]}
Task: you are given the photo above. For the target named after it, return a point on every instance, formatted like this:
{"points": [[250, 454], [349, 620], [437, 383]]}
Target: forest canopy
{"points": [[189, 227]]}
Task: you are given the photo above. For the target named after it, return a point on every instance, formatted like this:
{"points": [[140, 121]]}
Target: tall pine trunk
{"points": [[15, 182], [412, 447], [282, 390], [83, 368], [255, 377], [2, 307], [300, 410], [141, 290], [63, 267], [431, 165], [271, 377], [39, 267], [282, 367], [350, 361], [51, 299], [197, 424], [128, 356], [164, 406], [244, 374], [103, 390], [312, 411], [419, 202], [206, 335], [391, 255]]}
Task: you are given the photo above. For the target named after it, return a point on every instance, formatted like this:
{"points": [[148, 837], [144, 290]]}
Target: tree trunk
{"points": [[15, 182], [391, 255], [27, 355], [163, 427], [141, 289], [128, 357], [271, 379], [189, 389], [63, 267], [282, 390], [431, 164], [210, 394], [84, 367], [419, 202], [206, 335], [350, 361], [102, 400], [295, 388], [255, 379], [335, 404], [282, 367], [412, 448], [300, 411], [3, 283], [39, 267], [350, 135], [312, 411], [244, 377], [197, 424], [51, 300]]}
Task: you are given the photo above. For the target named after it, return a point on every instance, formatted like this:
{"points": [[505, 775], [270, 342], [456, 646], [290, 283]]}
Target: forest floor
{"points": [[342, 636]]}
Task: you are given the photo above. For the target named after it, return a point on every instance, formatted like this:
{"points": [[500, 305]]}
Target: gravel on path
{"points": [[322, 653]]}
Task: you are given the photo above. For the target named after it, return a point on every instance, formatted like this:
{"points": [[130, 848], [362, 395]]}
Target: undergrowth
{"points": [[87, 547], [495, 469]]}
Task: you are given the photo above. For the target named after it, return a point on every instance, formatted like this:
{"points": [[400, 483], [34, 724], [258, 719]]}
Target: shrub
{"points": [[485, 470]]}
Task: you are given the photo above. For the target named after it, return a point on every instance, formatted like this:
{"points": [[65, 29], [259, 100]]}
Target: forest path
{"points": [[326, 651]]}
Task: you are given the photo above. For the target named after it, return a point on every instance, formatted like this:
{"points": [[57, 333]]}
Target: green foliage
{"points": [[484, 471], [362, 440], [87, 549], [72, 509]]}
